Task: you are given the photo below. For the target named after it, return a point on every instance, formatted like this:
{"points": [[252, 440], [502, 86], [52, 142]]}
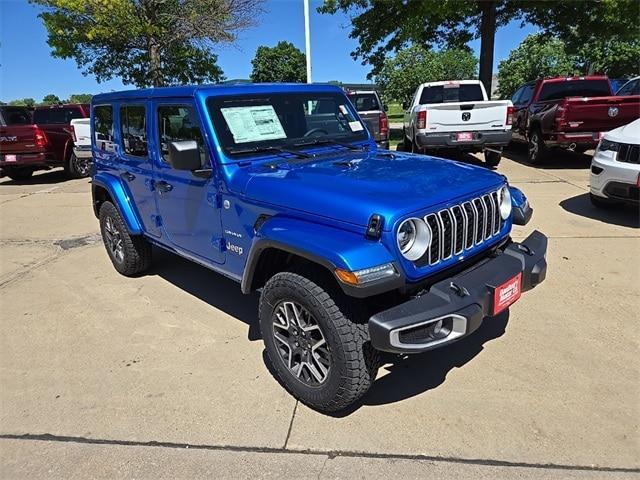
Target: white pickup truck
{"points": [[457, 115], [81, 132]]}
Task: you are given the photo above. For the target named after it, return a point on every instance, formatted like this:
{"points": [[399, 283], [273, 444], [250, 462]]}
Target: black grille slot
{"points": [[488, 231], [471, 222], [458, 217], [447, 233], [434, 250], [497, 219], [477, 203], [628, 153]]}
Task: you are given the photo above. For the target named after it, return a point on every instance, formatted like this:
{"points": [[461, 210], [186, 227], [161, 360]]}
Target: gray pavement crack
{"points": [[293, 415], [47, 437]]}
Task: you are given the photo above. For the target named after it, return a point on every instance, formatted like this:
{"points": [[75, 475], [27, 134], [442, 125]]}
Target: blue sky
{"points": [[28, 70]]}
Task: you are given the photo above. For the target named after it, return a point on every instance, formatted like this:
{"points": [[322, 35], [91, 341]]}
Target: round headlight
{"points": [[505, 202], [414, 238]]}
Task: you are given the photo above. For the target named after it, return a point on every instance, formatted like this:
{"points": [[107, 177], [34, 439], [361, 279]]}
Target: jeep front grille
{"points": [[628, 153], [461, 227]]}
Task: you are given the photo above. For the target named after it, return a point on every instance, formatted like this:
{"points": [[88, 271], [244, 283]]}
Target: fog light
{"points": [[440, 328]]}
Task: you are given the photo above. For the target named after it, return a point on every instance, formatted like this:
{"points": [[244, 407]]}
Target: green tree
{"points": [[282, 63], [23, 102], [145, 42], [80, 98], [615, 58], [400, 75], [389, 26], [50, 99], [537, 56]]}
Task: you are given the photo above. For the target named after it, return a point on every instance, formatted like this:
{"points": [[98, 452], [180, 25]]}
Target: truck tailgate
{"points": [[462, 117], [18, 139], [600, 114], [372, 122]]}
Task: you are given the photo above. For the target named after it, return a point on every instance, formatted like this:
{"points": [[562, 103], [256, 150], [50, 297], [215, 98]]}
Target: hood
{"points": [[352, 186], [629, 133]]}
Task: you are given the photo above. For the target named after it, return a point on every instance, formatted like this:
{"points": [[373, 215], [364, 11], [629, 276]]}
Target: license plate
{"points": [[464, 137], [10, 158], [506, 294]]}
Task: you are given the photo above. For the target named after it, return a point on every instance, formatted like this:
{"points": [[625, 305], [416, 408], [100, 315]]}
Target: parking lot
{"points": [[164, 375]]}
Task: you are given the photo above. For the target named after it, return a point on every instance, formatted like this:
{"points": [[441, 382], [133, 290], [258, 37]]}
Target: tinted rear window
{"points": [[15, 116], [61, 115], [365, 101], [452, 93], [575, 88]]}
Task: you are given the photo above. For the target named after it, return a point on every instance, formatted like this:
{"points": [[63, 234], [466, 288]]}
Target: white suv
{"points": [[615, 168]]}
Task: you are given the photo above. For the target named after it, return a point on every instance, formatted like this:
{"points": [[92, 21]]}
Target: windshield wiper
{"points": [[324, 141], [240, 151]]}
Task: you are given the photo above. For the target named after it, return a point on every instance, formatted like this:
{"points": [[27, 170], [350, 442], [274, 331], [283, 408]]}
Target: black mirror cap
{"points": [[185, 155]]}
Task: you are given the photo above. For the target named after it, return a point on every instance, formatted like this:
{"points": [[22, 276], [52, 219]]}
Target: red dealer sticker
{"points": [[506, 294], [464, 137]]}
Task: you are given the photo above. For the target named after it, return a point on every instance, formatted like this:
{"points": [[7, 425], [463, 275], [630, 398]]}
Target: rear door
{"points": [[135, 165], [187, 201]]}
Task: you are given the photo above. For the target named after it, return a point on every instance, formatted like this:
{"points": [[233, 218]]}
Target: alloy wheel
{"points": [[114, 240], [301, 343], [533, 146], [81, 165]]}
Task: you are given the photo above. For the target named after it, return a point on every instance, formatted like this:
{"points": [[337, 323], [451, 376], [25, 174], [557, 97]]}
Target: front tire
{"points": [[318, 351], [130, 254]]}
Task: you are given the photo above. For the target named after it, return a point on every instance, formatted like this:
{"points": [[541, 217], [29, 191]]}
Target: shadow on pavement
{"points": [[557, 159], [48, 177], [621, 215], [217, 290]]}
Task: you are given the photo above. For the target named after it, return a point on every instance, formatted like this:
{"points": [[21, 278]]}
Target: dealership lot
{"points": [[96, 368]]}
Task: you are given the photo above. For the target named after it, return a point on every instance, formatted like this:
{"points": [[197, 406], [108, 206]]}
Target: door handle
{"points": [[129, 177], [163, 187]]}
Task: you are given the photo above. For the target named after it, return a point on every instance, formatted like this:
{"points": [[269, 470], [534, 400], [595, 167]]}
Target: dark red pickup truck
{"points": [[568, 112], [38, 140]]}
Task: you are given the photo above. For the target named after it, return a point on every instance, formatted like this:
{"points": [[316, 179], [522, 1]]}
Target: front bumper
{"points": [[494, 138], [462, 301], [613, 179]]}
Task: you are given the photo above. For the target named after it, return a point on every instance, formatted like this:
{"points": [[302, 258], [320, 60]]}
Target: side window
{"points": [[516, 96], [177, 123], [631, 88], [527, 93], [103, 127], [133, 127]]}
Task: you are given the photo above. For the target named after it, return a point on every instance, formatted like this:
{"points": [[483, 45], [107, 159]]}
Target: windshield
{"points": [[251, 123], [466, 92], [575, 88]]}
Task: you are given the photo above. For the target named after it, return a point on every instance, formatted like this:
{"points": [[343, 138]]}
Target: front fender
{"points": [[330, 247], [520, 207], [120, 198]]}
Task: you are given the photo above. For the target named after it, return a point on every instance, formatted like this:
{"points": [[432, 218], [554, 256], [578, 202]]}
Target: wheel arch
{"points": [[106, 187]]}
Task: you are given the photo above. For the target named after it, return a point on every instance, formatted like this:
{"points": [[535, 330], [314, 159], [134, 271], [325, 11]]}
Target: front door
{"points": [[187, 202]]}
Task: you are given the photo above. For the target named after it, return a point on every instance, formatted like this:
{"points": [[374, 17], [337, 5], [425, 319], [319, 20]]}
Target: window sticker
{"points": [[355, 126], [253, 123]]}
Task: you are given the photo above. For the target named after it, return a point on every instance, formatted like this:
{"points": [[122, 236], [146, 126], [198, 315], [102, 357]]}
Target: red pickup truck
{"points": [[568, 112], [39, 140]]}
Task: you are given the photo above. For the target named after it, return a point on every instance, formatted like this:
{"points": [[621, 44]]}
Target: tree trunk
{"points": [[155, 66], [487, 38]]}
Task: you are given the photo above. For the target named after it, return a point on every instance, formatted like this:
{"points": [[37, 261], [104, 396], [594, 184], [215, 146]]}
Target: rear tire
{"points": [[492, 159], [78, 167], [347, 365], [20, 174], [130, 254], [537, 150]]}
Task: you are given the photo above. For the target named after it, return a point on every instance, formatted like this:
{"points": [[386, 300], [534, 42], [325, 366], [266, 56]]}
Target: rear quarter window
{"points": [[103, 127]]}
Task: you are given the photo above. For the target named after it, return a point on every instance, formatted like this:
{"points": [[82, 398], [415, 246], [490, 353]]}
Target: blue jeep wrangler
{"points": [[355, 250]]}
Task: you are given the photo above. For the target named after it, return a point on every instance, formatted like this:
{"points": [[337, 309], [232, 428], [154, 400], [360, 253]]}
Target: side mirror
{"points": [[185, 155]]}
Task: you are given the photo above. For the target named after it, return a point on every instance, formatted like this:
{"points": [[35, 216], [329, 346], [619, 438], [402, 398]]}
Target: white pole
{"points": [[307, 39]]}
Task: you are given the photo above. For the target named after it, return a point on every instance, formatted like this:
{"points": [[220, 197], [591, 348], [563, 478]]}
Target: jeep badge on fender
{"points": [[282, 188]]}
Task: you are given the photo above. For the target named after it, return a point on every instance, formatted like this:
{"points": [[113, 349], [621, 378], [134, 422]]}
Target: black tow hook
{"points": [[525, 249], [460, 291]]}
